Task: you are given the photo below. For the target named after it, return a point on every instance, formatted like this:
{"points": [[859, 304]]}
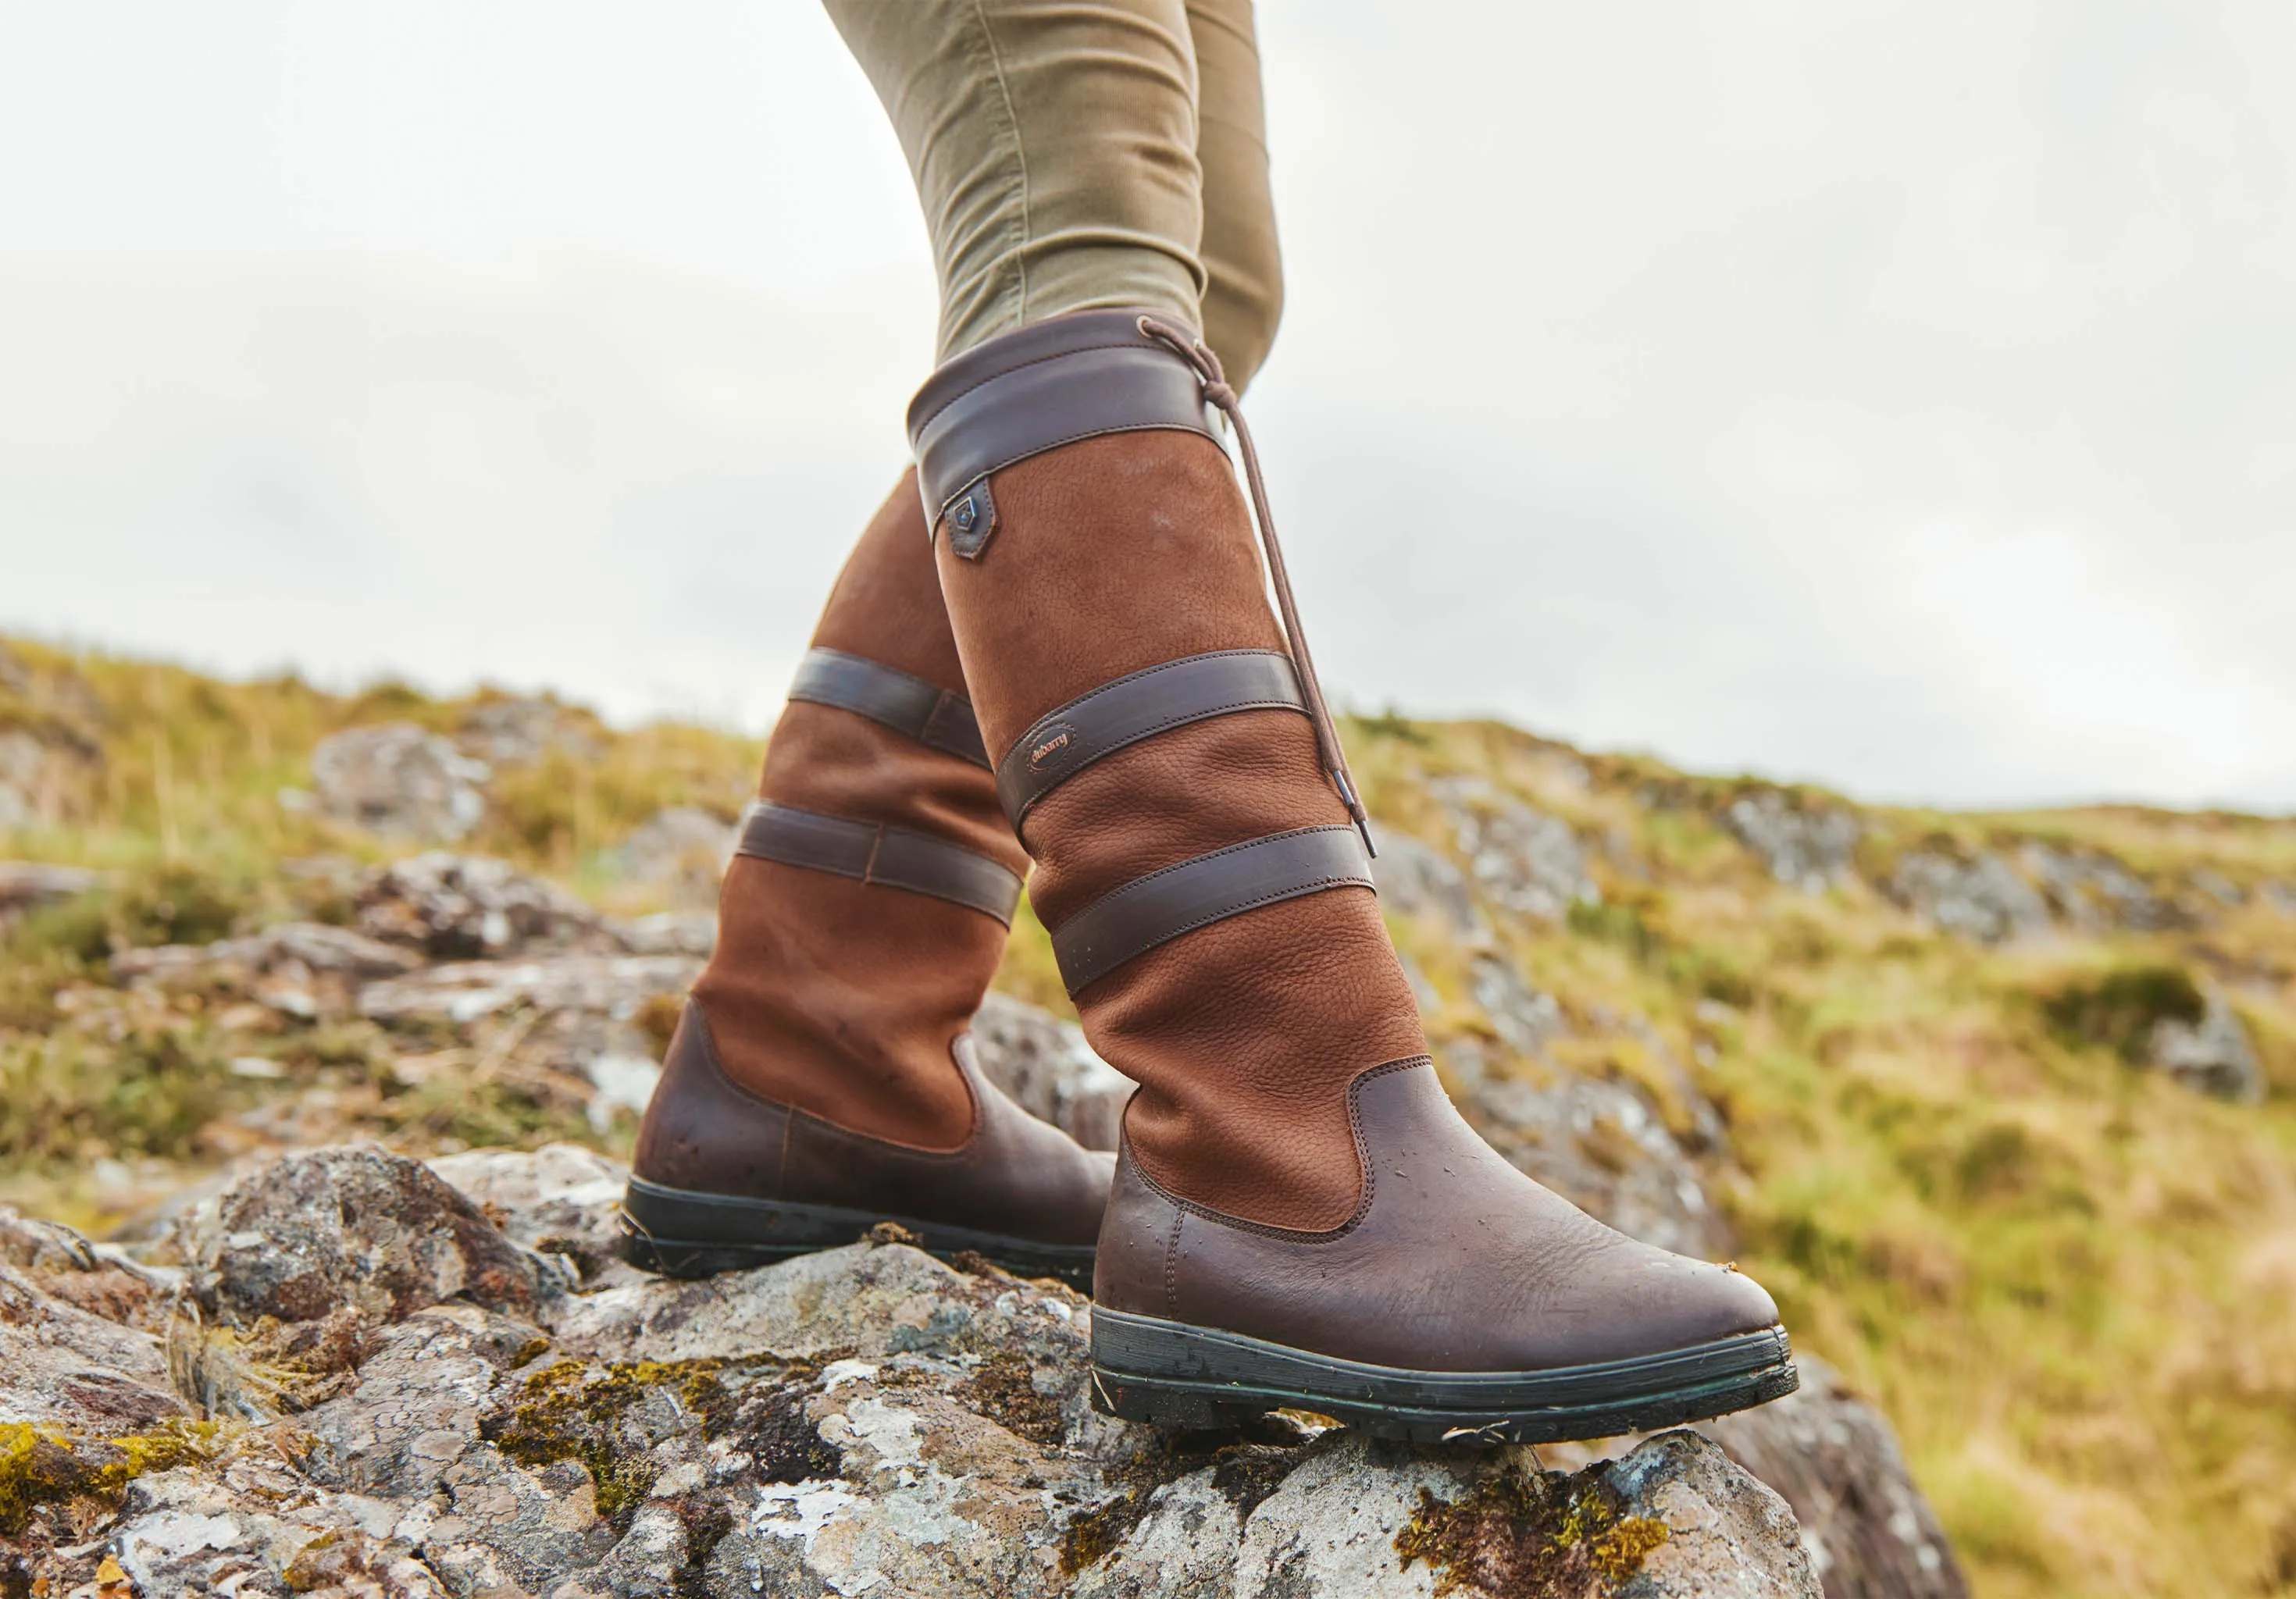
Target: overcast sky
{"points": [[1900, 396]]}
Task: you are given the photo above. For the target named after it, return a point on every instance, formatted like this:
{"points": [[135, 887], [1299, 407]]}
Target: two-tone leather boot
{"points": [[1299, 1218], [821, 1078]]}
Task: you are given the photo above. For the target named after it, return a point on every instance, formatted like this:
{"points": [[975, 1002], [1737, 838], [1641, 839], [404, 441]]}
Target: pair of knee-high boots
{"points": [[1059, 628]]}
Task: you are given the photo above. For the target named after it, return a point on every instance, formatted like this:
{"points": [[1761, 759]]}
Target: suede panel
{"points": [[838, 997], [887, 605], [1172, 798], [833, 762], [841, 999], [1112, 555]]}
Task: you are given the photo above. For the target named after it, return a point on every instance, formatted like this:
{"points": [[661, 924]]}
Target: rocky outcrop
{"points": [[1524, 859], [2211, 1054], [1978, 897], [304, 969], [462, 1408], [469, 907], [399, 781], [513, 731], [1049, 1070], [681, 852], [1809, 846], [2092, 893], [1870, 1533], [1417, 879]]}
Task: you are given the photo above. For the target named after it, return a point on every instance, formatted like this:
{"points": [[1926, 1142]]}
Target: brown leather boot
{"points": [[1301, 1219], [821, 1078]]}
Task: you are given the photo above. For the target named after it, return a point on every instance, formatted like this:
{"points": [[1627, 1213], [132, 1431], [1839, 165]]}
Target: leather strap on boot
{"points": [[1080, 377], [933, 717], [893, 857]]}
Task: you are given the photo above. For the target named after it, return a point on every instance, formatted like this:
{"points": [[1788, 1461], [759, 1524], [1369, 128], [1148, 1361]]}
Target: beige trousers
{"points": [[1084, 154]]}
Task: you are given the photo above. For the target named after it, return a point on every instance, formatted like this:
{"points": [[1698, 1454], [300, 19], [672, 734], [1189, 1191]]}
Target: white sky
{"points": [[1901, 396]]}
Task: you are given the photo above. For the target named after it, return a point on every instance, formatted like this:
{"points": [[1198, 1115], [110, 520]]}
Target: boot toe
{"points": [[1680, 1303]]}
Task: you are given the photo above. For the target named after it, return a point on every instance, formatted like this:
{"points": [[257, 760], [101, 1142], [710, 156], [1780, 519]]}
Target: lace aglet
{"points": [[1355, 809]]}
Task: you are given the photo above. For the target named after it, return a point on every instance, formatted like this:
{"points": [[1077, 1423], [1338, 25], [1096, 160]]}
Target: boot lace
{"points": [[1217, 391]]}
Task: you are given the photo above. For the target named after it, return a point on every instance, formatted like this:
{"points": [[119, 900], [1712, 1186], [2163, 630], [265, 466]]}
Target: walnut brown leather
{"points": [[822, 1058]]}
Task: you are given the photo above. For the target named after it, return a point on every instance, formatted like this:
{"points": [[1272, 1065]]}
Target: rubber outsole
{"points": [[678, 1233], [1169, 1374]]}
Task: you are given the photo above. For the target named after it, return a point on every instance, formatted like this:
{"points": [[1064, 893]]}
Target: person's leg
{"points": [[977, 88], [1243, 293], [820, 1069], [1296, 1199]]}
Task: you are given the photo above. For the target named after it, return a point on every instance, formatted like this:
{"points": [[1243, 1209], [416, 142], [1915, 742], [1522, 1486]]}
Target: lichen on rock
{"points": [[408, 1402]]}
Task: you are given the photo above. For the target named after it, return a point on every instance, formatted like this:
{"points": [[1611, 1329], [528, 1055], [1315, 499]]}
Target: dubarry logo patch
{"points": [[1055, 740]]}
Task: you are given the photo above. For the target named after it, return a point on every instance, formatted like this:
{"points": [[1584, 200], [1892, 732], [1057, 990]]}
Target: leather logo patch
{"points": [[1048, 749]]}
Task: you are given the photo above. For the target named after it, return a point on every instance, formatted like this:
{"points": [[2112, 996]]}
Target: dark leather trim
{"points": [[706, 1134], [933, 717], [1141, 705], [1043, 386], [1152, 910], [892, 856]]}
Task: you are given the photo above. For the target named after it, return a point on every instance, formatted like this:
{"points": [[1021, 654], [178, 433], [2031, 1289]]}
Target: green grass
{"points": [[2070, 1282]]}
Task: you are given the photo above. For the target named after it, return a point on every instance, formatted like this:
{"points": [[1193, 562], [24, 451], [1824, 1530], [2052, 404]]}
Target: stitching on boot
{"points": [[1299, 1234], [1172, 1265]]}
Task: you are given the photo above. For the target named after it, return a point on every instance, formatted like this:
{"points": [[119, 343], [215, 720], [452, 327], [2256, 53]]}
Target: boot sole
{"points": [[1169, 1374], [678, 1233]]}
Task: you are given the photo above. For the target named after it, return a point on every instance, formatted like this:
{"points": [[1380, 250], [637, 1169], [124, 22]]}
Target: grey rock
{"points": [[1049, 1070], [1527, 861], [311, 946], [1870, 1533], [425, 1385], [464, 906], [64, 1367], [682, 851], [560, 1199], [1728, 1536], [1981, 898], [357, 1227], [865, 1419], [399, 781], [1525, 1020], [2096, 893], [1807, 846], [670, 932], [514, 732], [2213, 1055], [2281, 897], [302, 969], [1415, 879], [605, 985], [25, 885]]}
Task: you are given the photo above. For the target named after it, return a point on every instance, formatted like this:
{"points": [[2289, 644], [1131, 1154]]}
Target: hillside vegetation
{"points": [[2002, 1107]]}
